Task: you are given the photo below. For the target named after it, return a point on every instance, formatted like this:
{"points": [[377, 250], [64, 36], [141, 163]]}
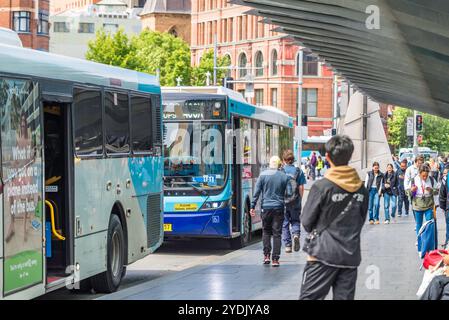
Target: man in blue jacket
{"points": [[271, 186]]}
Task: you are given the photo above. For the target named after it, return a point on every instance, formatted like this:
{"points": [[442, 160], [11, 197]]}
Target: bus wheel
{"points": [[109, 281], [247, 228], [245, 238]]}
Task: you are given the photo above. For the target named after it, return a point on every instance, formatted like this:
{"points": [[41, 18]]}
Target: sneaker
{"points": [[371, 222], [288, 249], [377, 222], [387, 222], [399, 215], [266, 259], [275, 263], [296, 244]]}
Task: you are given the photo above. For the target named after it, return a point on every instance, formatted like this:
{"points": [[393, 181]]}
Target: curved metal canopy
{"points": [[405, 62]]}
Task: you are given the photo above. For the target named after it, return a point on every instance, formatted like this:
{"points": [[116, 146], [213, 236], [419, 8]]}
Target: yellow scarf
{"points": [[345, 177]]}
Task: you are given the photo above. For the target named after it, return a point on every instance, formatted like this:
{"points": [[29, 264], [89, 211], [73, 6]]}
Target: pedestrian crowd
{"points": [[337, 208]]}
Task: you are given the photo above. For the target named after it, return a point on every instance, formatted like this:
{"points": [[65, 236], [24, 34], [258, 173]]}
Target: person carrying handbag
{"points": [[334, 215]]}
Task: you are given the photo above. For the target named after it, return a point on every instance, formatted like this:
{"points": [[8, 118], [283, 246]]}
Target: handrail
{"points": [[52, 216]]}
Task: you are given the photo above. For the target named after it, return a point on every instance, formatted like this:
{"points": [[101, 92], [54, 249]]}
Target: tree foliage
{"points": [[115, 50], [434, 130], [207, 65], [146, 52], [151, 51]]}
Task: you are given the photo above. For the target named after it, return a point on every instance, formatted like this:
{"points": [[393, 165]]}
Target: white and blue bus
{"points": [[81, 172], [215, 146]]}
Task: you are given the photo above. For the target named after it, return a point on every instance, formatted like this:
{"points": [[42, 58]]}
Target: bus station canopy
{"points": [[404, 62]]}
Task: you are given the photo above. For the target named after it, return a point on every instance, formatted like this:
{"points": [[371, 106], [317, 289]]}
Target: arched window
{"points": [[173, 32], [242, 65], [259, 64], [274, 62], [310, 65]]}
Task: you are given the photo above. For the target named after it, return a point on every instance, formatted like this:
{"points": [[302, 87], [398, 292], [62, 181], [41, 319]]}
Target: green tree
{"points": [[116, 50], [397, 127], [434, 130], [207, 65], [163, 51], [146, 52]]}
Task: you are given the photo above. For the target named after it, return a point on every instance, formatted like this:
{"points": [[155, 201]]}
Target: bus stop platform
{"points": [[390, 270]]}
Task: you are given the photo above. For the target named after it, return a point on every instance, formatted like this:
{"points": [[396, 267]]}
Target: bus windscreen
{"points": [[194, 156]]}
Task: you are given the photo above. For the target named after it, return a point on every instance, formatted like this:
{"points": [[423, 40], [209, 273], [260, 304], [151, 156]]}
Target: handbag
{"points": [[311, 240]]}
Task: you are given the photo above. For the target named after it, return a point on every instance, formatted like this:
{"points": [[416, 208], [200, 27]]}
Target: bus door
{"points": [[58, 166], [23, 225], [236, 180]]}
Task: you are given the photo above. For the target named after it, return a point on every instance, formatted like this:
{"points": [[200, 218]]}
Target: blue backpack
{"points": [[427, 238]]}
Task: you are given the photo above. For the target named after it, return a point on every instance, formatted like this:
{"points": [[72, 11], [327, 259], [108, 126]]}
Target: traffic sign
{"points": [[410, 126]]}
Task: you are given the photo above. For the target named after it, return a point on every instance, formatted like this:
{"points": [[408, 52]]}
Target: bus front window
{"points": [[194, 156]]}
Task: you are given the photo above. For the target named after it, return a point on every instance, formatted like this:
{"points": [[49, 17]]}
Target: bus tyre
{"points": [[245, 238], [109, 281]]}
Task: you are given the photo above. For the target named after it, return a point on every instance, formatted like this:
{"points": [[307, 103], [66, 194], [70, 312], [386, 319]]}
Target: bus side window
{"points": [[88, 122], [116, 122], [141, 124], [245, 127], [255, 156]]}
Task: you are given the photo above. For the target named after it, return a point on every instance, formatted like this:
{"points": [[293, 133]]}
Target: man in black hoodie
{"points": [[334, 215]]}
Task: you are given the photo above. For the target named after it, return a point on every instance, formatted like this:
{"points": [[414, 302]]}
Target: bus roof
{"points": [[35, 63], [240, 105], [10, 37]]}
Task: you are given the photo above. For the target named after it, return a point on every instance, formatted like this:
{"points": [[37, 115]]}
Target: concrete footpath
{"points": [[390, 270]]}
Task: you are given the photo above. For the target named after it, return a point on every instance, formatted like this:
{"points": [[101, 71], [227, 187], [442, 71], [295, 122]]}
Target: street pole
{"points": [[215, 58], [299, 108], [334, 122], [364, 155], [415, 135]]}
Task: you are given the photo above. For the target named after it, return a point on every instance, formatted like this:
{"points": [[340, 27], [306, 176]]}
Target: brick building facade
{"points": [[172, 16], [29, 19], [58, 6], [268, 56]]}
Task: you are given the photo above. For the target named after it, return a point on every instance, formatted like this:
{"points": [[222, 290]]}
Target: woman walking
{"points": [[422, 194], [373, 182], [390, 193]]}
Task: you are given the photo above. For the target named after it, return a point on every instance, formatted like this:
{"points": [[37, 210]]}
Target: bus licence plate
{"points": [[168, 227], [186, 207]]}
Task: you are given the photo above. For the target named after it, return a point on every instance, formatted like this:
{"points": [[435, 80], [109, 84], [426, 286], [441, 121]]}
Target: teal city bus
{"points": [[81, 172], [211, 199]]}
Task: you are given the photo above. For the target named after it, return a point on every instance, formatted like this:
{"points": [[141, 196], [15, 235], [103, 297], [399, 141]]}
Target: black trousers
{"points": [[403, 200], [319, 278], [272, 220]]}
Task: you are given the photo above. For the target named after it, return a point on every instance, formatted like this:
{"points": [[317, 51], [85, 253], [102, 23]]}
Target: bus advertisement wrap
{"points": [[22, 184]]}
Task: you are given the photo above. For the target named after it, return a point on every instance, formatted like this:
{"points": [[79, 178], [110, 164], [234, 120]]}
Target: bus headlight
{"points": [[214, 205]]}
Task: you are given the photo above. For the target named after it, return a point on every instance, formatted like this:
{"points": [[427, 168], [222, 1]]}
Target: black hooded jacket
{"points": [[339, 242]]}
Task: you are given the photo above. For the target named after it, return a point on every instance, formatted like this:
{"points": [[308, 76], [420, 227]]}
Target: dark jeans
{"points": [[446, 216], [292, 224], [318, 279], [403, 200], [272, 227]]}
